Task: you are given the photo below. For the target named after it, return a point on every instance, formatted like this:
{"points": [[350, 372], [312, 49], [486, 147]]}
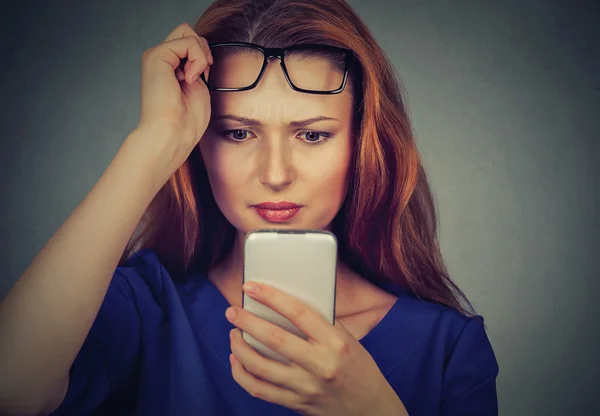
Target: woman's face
{"points": [[274, 144]]}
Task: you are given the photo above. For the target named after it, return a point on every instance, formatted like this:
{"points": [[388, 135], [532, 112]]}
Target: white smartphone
{"points": [[301, 263]]}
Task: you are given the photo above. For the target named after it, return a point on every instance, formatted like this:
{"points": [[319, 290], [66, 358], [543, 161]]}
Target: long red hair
{"points": [[386, 228]]}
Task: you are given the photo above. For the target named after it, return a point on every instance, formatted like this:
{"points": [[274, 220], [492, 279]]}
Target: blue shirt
{"points": [[161, 348]]}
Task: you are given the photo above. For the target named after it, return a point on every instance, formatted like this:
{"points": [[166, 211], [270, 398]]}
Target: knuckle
{"points": [[258, 370], [151, 53], [330, 372], [204, 42], [276, 338], [304, 406], [193, 39], [236, 377], [254, 392], [195, 43], [312, 393], [147, 53], [341, 347], [184, 26], [298, 312]]}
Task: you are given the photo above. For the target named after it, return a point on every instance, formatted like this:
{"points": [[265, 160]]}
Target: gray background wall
{"points": [[505, 99]]}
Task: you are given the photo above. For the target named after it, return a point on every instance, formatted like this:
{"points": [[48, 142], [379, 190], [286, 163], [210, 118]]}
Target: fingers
{"points": [[292, 377], [294, 348], [185, 30], [271, 335], [185, 52], [191, 49], [262, 367], [307, 319], [261, 389]]}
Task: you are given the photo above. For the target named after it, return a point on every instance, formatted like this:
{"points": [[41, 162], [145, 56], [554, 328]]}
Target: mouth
{"points": [[277, 212]]}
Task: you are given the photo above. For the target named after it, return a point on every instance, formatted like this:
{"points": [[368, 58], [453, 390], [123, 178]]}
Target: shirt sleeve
{"points": [[469, 383], [107, 358]]}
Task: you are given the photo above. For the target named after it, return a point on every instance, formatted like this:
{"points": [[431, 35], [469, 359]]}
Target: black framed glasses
{"points": [[309, 68]]}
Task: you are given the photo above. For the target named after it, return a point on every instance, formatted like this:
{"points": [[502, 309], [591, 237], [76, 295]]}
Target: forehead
{"points": [[273, 98], [307, 67]]}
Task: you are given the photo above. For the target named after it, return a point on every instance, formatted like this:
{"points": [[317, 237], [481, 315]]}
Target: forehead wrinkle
{"points": [[278, 108], [279, 104]]}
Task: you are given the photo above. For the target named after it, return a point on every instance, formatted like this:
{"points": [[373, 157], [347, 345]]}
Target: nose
{"points": [[275, 170]]}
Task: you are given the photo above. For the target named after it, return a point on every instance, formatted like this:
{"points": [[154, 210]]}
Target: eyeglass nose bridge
{"points": [[275, 53]]}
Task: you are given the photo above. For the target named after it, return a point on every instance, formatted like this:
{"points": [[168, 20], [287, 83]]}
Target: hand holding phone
{"points": [[301, 263]]}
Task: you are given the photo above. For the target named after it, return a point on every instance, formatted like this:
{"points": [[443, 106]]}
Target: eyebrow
{"points": [[254, 122]]}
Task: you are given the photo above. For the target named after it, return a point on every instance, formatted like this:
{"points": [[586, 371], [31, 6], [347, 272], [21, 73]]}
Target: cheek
{"points": [[327, 178], [227, 173]]}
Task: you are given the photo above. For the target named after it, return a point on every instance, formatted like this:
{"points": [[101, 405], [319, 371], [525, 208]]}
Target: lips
{"points": [[276, 205], [277, 212]]}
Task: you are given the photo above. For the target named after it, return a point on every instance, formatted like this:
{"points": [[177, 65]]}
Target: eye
{"points": [[315, 137], [237, 135]]}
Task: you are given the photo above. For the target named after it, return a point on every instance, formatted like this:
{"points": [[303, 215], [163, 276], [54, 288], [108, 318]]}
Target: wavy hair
{"points": [[387, 225]]}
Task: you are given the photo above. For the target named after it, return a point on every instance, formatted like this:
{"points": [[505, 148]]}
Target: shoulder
{"points": [[435, 358], [443, 325], [144, 281], [142, 274], [433, 335], [425, 318], [464, 358], [143, 264], [457, 346], [440, 351]]}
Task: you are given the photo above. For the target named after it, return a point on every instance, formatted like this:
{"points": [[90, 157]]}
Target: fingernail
{"points": [[230, 313], [250, 288]]}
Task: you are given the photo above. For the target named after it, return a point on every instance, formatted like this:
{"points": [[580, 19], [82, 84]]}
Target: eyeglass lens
{"points": [[308, 68]]}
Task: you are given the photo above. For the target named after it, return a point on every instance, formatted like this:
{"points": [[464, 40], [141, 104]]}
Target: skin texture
{"points": [[276, 162], [273, 160]]}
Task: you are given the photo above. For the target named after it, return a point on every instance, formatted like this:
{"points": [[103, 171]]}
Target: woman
{"points": [[160, 335]]}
